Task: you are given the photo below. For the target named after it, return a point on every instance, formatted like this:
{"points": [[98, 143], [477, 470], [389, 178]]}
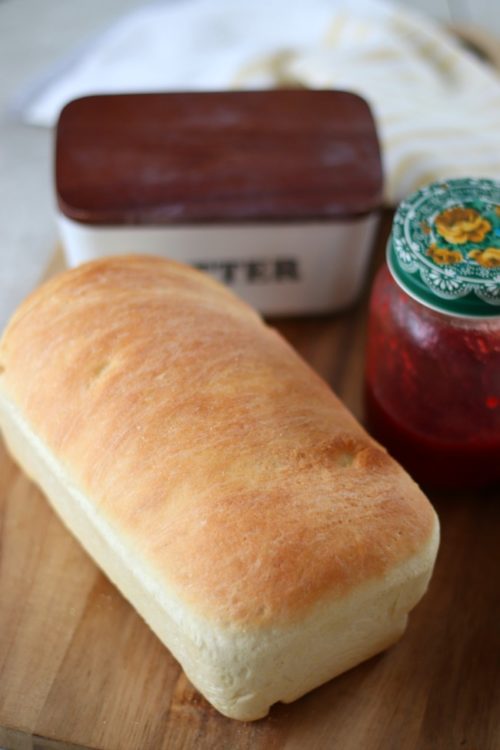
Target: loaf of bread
{"points": [[266, 539]]}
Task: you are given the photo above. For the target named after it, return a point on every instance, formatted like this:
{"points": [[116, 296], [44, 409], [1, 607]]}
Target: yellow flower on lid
{"points": [[458, 225], [443, 256], [488, 258]]}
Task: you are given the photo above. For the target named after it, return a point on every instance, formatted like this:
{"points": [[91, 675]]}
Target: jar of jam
{"points": [[433, 354]]}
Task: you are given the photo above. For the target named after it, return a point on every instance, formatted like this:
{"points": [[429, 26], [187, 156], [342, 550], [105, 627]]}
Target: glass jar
{"points": [[432, 391]]}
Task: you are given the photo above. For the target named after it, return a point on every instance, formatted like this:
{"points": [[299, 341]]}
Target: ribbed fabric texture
{"points": [[437, 107]]}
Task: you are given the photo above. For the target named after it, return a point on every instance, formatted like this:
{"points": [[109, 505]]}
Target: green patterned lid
{"points": [[444, 248]]}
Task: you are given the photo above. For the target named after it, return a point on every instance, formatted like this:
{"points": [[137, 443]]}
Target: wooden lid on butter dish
{"points": [[198, 158]]}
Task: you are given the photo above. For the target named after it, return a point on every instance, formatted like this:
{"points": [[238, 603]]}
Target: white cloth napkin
{"points": [[437, 107]]}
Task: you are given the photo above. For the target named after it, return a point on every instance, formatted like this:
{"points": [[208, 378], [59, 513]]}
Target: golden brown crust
{"points": [[206, 441]]}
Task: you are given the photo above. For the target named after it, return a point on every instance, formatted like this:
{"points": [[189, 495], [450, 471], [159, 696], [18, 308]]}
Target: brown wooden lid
{"points": [[287, 155]]}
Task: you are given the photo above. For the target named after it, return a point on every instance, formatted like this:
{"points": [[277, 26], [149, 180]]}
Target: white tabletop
{"points": [[34, 35]]}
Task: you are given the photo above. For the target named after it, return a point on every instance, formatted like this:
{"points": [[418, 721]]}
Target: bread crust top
{"points": [[203, 439]]}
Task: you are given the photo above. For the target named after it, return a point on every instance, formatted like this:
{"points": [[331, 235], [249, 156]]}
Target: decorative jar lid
{"points": [[444, 249]]}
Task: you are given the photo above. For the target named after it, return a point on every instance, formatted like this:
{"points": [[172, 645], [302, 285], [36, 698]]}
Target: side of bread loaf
{"points": [[264, 537]]}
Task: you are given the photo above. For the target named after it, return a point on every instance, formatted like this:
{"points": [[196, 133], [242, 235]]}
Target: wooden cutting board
{"points": [[79, 668]]}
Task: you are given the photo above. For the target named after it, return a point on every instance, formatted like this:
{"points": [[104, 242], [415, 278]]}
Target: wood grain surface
{"points": [[209, 157], [79, 668]]}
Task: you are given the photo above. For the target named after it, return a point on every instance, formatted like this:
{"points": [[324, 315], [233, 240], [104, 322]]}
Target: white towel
{"points": [[437, 107]]}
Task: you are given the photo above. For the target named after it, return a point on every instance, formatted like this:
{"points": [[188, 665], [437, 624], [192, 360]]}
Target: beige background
{"points": [[34, 34]]}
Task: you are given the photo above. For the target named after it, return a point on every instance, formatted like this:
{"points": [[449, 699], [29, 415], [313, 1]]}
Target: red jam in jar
{"points": [[433, 358]]}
